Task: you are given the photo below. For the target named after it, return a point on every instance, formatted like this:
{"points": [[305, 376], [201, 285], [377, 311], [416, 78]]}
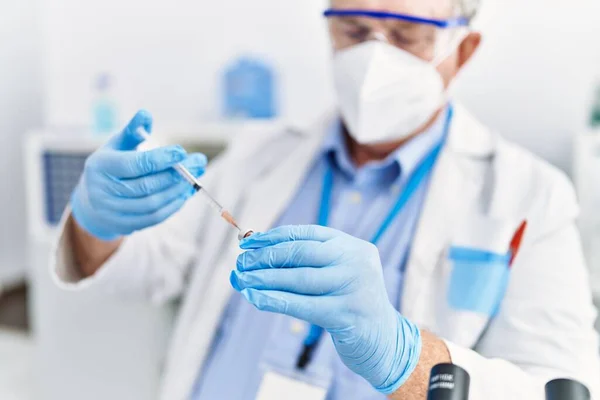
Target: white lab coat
{"points": [[482, 188]]}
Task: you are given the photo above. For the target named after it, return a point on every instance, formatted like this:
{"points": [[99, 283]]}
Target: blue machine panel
{"points": [[61, 174]]}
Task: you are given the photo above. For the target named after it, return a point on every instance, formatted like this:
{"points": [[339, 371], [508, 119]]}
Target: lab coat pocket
{"points": [[477, 272], [474, 292], [478, 280]]}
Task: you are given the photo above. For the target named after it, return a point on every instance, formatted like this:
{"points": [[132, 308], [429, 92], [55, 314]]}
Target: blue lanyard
{"points": [[414, 182]]}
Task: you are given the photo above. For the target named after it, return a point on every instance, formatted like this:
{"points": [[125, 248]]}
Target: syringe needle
{"points": [[229, 218], [192, 180]]}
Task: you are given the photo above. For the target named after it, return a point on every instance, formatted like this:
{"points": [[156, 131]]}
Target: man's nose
{"points": [[380, 36]]}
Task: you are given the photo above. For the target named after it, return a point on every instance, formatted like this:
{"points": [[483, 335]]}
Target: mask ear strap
{"points": [[454, 43]]}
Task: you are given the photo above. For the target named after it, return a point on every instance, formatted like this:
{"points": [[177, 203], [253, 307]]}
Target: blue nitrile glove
{"points": [[335, 281], [122, 190]]}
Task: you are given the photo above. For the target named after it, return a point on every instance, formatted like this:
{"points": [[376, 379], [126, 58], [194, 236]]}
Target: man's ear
{"points": [[468, 47]]}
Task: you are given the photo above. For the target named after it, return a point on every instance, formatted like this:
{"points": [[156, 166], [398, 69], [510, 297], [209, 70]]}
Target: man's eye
{"points": [[404, 39], [358, 33]]}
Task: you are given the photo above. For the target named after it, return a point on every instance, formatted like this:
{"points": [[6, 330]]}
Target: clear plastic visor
{"points": [[425, 38]]}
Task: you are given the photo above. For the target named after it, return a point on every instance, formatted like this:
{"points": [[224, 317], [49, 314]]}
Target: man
{"points": [[456, 246]]}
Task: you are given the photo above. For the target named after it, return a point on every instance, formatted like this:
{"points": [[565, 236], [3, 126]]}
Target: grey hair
{"points": [[467, 8]]}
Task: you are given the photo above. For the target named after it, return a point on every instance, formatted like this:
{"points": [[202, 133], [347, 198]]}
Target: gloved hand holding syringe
{"points": [[192, 180]]}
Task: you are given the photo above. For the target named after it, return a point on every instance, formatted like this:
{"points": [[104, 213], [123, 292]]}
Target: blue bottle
{"points": [[104, 109], [249, 90]]}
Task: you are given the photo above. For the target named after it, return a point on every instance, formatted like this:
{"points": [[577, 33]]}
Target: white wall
{"points": [[166, 55], [531, 80], [20, 110]]}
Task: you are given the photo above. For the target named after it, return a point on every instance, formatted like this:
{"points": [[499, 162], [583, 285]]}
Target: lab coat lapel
{"points": [[269, 196], [453, 191]]}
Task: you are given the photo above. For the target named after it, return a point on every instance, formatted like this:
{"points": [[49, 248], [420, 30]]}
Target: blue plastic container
{"points": [[249, 90]]}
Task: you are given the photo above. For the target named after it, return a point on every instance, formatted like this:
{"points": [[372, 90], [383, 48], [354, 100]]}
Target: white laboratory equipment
{"points": [[87, 345], [90, 345]]}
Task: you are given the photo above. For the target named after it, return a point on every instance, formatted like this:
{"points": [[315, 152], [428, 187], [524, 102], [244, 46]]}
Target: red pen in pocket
{"points": [[515, 243]]}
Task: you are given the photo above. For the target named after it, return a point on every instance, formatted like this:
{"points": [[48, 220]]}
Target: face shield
{"points": [[429, 39]]}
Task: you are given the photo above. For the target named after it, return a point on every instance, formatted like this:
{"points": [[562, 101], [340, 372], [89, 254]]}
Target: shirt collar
{"points": [[398, 165]]}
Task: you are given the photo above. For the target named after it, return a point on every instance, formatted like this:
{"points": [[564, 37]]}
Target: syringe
{"points": [[192, 180]]}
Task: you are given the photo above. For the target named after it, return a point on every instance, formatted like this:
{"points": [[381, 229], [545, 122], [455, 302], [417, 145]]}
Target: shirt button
{"points": [[355, 198], [296, 327], [395, 189]]}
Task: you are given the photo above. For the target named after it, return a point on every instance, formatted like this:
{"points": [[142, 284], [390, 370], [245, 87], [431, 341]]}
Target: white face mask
{"points": [[385, 94]]}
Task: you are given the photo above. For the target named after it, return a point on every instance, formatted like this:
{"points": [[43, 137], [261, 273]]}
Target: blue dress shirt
{"points": [[250, 341]]}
